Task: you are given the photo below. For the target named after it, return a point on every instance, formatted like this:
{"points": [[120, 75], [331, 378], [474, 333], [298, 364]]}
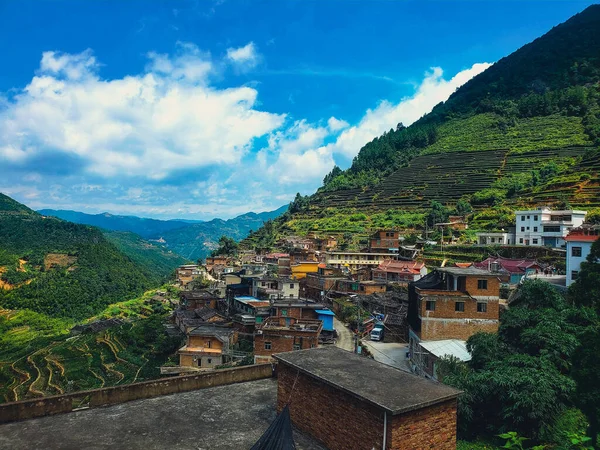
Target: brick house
{"points": [[206, 347], [453, 303], [348, 402], [392, 271], [298, 309], [192, 300], [385, 241], [285, 334], [187, 273], [324, 280], [360, 287]]}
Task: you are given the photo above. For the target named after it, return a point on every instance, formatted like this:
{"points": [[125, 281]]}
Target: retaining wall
{"points": [[44, 406]]}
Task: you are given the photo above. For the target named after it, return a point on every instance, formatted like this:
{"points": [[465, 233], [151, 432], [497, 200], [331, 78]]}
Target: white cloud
{"points": [[146, 125], [337, 124], [433, 90], [245, 57]]}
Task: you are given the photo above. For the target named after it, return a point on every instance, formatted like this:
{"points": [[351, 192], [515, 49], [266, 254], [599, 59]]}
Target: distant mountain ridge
{"points": [[145, 227], [191, 239]]}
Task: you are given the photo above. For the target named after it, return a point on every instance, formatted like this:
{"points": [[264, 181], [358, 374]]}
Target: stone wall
{"points": [[28, 409]]}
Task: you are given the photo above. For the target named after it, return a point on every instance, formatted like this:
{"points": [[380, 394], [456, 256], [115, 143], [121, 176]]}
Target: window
{"points": [[284, 312], [574, 274], [312, 345], [535, 229], [520, 240], [481, 307], [459, 306], [429, 305], [493, 240], [576, 251], [209, 360], [207, 303], [522, 228], [535, 218], [482, 284], [267, 346], [535, 241], [291, 295], [527, 217], [292, 286], [207, 344], [522, 218], [199, 362], [552, 229], [296, 346], [527, 228]]}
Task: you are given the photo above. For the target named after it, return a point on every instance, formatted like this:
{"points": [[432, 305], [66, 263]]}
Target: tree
{"points": [[586, 290], [463, 207], [227, 247], [437, 214]]}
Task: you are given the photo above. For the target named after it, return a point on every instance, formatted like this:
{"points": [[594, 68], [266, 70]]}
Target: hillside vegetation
{"points": [[523, 133]]}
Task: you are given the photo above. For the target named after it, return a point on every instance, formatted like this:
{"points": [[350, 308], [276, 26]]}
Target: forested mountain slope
{"points": [[63, 269], [525, 132]]}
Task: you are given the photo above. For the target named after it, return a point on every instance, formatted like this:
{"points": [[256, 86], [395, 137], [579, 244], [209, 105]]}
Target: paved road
{"points": [[345, 339], [390, 353]]}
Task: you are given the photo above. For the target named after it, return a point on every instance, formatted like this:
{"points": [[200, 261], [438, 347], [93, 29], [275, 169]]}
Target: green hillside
{"points": [[154, 260], [523, 133], [55, 274]]}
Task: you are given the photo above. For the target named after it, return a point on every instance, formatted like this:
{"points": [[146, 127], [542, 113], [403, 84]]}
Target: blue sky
{"points": [[197, 109]]}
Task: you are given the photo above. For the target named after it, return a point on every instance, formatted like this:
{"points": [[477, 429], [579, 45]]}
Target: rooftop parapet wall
{"points": [[44, 406]]}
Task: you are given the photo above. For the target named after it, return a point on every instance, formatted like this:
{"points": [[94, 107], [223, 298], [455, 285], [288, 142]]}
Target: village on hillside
{"points": [[387, 300]]}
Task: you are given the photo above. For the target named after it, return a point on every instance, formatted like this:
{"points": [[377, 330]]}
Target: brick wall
{"points": [[333, 417], [282, 341], [493, 286], [463, 329], [341, 421], [433, 427], [445, 307]]}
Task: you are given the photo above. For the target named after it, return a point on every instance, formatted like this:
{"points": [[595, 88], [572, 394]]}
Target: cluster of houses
{"points": [[264, 304]]}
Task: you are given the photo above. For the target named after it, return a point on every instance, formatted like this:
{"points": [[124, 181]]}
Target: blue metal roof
{"points": [[325, 312]]}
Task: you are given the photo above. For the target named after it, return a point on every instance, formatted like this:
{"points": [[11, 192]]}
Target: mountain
{"points": [[196, 241], [523, 133], [142, 226], [190, 239], [69, 270]]}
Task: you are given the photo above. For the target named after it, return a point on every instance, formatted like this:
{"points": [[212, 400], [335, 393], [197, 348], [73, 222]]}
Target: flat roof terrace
{"points": [[219, 418], [383, 386]]}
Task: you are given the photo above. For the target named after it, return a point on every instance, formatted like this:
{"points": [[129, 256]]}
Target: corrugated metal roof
{"points": [[447, 347]]}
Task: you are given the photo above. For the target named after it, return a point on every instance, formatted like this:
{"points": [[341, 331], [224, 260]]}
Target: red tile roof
{"points": [[510, 265], [390, 265]]}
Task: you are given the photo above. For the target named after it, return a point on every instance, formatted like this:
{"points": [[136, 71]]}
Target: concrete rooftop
{"points": [[381, 385], [223, 417]]}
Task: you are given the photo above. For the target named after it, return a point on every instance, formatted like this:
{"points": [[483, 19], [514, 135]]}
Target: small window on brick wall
{"points": [[429, 305], [482, 284], [296, 346], [267, 346], [481, 307], [459, 306]]}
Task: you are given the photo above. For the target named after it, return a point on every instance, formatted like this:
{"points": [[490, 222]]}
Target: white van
{"points": [[377, 334]]}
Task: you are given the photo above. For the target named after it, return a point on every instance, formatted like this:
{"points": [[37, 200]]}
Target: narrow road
{"points": [[345, 339]]}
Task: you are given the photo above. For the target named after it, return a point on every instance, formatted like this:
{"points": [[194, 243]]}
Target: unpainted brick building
{"points": [[351, 402], [285, 334]]}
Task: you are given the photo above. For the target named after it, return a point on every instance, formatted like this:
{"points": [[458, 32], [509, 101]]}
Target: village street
{"points": [[390, 353]]}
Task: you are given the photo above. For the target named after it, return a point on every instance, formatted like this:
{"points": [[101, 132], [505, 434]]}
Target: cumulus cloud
{"points": [[147, 125], [245, 57], [432, 90], [167, 142]]}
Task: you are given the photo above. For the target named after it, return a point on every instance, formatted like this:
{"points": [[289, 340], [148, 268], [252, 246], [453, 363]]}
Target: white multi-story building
{"points": [[579, 245], [544, 227]]}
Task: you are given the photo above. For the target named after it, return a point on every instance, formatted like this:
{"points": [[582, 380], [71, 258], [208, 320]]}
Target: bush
{"points": [[568, 423]]}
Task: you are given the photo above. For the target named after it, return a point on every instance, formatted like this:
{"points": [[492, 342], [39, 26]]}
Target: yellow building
{"points": [[206, 347], [301, 268]]}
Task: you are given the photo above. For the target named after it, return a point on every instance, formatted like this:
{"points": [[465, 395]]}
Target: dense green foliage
{"points": [[227, 247], [522, 379]]}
